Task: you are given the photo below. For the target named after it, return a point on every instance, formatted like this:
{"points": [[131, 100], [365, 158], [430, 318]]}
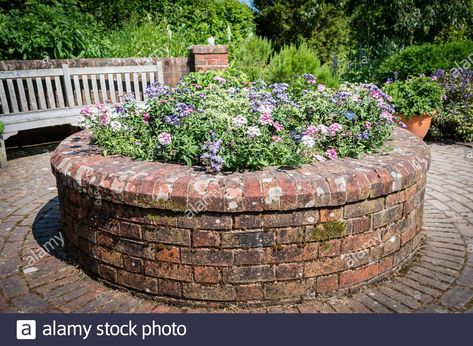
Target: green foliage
{"points": [[455, 120], [415, 96], [252, 56], [223, 122], [322, 24], [149, 37], [292, 61], [408, 22], [2, 127], [426, 58], [56, 30]]}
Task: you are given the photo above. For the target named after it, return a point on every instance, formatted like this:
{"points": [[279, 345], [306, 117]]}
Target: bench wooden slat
{"points": [[50, 72], [103, 88], [95, 90], [49, 90], [85, 83], [39, 87], [160, 73], [151, 77], [119, 84], [111, 86], [143, 84], [3, 99], [136, 86], [68, 86], [111, 69], [12, 94], [127, 83], [21, 92], [77, 90], [31, 94], [60, 96]]}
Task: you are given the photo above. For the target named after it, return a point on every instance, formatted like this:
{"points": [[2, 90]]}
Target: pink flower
{"points": [[311, 130], [220, 79], [434, 77], [331, 154], [376, 94], [86, 112], [278, 127], [164, 138], [319, 157], [276, 139], [355, 98], [146, 117], [387, 116], [334, 128], [265, 108], [104, 119], [266, 119], [320, 87], [368, 125]]}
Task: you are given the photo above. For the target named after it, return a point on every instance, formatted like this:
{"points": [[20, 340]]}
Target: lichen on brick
{"points": [[329, 230]]}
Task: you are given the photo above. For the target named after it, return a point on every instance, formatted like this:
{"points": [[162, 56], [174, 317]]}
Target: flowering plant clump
{"points": [[227, 123]]}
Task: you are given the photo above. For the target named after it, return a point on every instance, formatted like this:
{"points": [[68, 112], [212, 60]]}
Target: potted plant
{"points": [[416, 100]]}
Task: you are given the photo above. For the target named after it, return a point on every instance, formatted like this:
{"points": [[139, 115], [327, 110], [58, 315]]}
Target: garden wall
{"points": [[265, 237]]}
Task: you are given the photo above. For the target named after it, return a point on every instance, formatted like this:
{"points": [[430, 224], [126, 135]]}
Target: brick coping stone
{"points": [[267, 237]]}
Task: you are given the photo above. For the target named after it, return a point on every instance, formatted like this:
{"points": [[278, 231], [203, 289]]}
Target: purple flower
{"points": [[156, 89], [164, 138], [309, 78], [320, 87], [211, 157]]}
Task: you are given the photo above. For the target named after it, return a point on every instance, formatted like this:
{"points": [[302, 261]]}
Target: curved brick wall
{"points": [[270, 236]]}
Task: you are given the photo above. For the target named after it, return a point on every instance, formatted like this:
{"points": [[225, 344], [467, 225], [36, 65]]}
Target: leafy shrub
{"points": [[425, 59], [292, 61], [456, 118], [149, 37], [2, 127], [415, 96], [230, 124], [58, 30], [251, 56]]}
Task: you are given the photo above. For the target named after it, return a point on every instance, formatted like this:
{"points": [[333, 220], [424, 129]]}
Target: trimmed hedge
{"points": [[425, 59]]}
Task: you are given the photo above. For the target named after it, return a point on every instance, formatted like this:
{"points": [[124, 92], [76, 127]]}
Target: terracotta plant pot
{"points": [[418, 124]]}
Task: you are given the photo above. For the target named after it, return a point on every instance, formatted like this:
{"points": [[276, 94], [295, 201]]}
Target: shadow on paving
{"points": [[47, 231]]}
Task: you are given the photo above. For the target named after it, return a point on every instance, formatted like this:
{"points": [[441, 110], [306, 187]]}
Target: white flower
{"points": [[308, 141], [240, 121], [115, 125], [253, 131], [164, 138], [323, 129]]}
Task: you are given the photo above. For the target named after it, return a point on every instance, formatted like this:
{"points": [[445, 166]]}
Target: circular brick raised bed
{"points": [[271, 236]]}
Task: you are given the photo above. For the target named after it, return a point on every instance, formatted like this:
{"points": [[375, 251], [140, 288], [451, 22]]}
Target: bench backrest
{"points": [[25, 91]]}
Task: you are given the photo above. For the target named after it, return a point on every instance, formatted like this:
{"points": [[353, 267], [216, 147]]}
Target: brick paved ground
{"points": [[440, 278]]}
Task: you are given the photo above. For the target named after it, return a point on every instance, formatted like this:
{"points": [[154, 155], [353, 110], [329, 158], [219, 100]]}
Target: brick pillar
{"points": [[207, 57]]}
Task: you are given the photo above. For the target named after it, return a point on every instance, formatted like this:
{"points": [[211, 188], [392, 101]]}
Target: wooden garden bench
{"points": [[31, 99]]}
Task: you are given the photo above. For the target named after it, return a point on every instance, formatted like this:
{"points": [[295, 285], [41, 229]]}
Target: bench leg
{"points": [[3, 153]]}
